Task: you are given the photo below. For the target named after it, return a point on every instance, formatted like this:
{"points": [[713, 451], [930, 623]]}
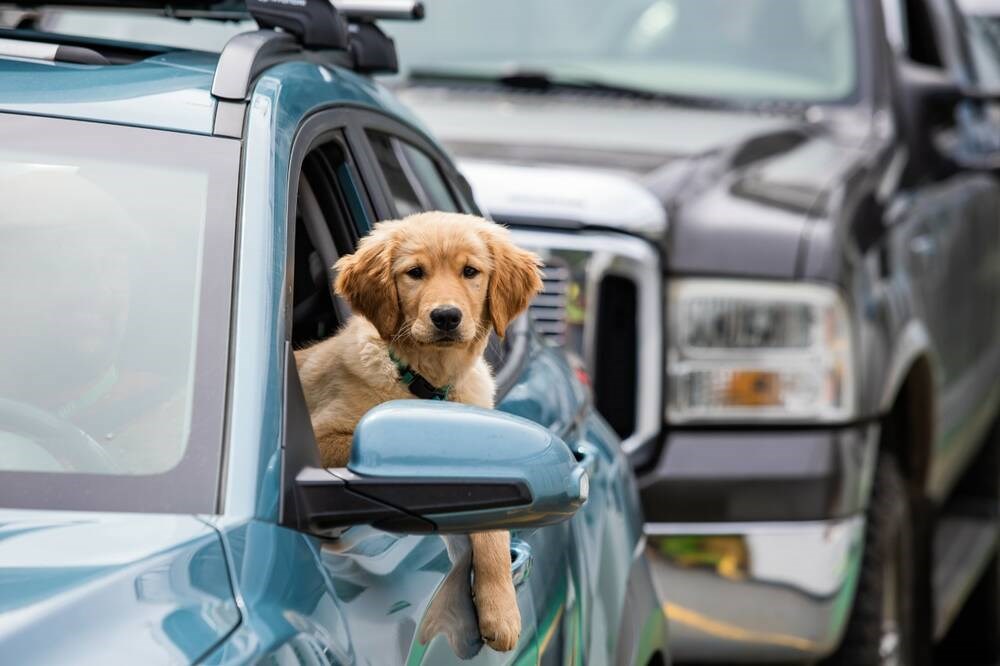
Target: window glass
{"points": [[415, 181], [106, 255], [430, 178], [800, 50], [401, 188]]}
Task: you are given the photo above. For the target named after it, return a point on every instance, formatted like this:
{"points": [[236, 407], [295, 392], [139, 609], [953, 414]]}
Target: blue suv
{"points": [[168, 223]]}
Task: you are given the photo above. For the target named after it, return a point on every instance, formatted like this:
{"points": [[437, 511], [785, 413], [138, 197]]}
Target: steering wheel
{"points": [[60, 438]]}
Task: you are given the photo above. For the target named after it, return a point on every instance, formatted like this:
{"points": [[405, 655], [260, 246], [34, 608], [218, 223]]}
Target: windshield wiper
{"points": [[542, 81]]}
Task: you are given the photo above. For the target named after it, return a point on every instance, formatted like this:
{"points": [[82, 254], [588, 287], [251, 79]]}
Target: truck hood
{"points": [[629, 134], [740, 190], [78, 587]]}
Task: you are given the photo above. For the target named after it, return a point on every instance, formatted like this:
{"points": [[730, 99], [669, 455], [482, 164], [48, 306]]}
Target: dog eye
{"points": [[416, 272], [470, 272]]}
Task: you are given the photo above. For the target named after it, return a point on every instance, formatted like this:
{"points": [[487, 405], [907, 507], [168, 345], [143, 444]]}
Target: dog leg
{"points": [[493, 588], [451, 611], [334, 441]]}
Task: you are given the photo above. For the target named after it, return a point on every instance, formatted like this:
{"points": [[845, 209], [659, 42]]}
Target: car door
{"points": [[579, 568], [946, 232], [977, 147], [404, 598]]}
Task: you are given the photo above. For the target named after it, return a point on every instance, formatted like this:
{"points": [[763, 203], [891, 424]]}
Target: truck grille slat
{"points": [[548, 310]]}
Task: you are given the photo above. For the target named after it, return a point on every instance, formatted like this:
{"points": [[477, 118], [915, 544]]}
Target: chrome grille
{"points": [[593, 278], [548, 310]]}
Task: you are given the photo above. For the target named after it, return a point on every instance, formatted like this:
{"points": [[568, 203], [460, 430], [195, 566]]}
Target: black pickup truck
{"points": [[772, 230]]}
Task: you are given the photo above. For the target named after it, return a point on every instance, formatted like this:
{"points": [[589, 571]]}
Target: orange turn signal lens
{"points": [[753, 388]]}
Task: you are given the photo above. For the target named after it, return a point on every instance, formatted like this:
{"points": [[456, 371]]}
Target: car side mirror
{"points": [[424, 466], [932, 97], [926, 85]]}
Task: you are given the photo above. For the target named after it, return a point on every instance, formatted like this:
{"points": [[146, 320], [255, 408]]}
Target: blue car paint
{"points": [[166, 92], [362, 598], [153, 587]]}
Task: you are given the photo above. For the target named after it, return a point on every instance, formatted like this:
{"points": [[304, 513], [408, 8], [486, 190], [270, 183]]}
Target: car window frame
{"points": [[457, 185], [299, 447], [340, 124]]}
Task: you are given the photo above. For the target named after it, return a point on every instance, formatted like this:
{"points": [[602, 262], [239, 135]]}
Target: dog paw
{"points": [[500, 626]]}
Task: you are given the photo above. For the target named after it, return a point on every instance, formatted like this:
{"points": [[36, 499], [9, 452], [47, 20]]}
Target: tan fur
{"points": [[348, 374]]}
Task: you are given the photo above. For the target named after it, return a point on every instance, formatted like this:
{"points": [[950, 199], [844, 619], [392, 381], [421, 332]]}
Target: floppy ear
{"points": [[366, 281], [516, 277]]}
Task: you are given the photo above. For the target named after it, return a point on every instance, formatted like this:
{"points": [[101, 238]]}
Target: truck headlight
{"points": [[755, 351]]}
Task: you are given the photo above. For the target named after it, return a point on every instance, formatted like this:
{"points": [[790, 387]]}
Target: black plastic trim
{"points": [[762, 475], [314, 23], [330, 499], [298, 444]]}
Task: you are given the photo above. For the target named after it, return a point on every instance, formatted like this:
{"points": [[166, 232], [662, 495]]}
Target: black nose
{"points": [[446, 319]]}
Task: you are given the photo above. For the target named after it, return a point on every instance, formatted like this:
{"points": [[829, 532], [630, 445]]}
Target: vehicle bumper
{"points": [[756, 592], [755, 538]]}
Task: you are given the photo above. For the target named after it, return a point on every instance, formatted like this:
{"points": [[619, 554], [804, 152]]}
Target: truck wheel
{"points": [[881, 628]]}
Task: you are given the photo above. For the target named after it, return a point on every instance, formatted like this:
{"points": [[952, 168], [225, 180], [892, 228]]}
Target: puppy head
{"points": [[438, 279]]}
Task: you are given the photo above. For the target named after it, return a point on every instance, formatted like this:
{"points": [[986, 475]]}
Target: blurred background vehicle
{"points": [[169, 220], [981, 19], [772, 230]]}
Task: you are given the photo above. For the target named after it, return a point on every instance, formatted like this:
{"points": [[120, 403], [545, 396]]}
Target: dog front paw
{"points": [[500, 624]]}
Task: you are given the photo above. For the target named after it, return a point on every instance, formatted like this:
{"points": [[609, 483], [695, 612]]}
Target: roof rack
{"points": [[230, 10], [368, 10], [342, 33], [33, 50]]}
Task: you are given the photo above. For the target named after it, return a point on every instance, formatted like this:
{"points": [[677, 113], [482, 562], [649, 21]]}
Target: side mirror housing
{"points": [[928, 88], [423, 466], [932, 100]]}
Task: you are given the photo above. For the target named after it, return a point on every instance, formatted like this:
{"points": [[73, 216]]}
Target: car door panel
{"points": [[948, 244], [403, 599], [545, 393], [408, 600], [951, 244], [289, 611], [567, 556]]}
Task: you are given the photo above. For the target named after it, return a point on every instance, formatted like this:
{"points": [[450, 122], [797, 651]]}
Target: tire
{"points": [[881, 629]]}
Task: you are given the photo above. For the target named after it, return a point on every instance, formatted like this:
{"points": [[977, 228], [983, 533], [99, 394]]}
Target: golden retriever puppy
{"points": [[425, 291]]}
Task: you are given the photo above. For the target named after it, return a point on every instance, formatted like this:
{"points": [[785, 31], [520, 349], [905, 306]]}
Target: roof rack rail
{"points": [[316, 24], [343, 34], [33, 50], [245, 56], [229, 10], [369, 10]]}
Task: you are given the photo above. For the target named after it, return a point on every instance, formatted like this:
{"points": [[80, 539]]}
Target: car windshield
{"points": [[797, 50], [113, 263]]}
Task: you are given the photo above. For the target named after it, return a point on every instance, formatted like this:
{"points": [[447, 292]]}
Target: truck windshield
{"points": [[115, 244], [794, 50]]}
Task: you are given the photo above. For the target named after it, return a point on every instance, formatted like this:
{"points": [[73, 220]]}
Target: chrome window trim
{"points": [[635, 259]]}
